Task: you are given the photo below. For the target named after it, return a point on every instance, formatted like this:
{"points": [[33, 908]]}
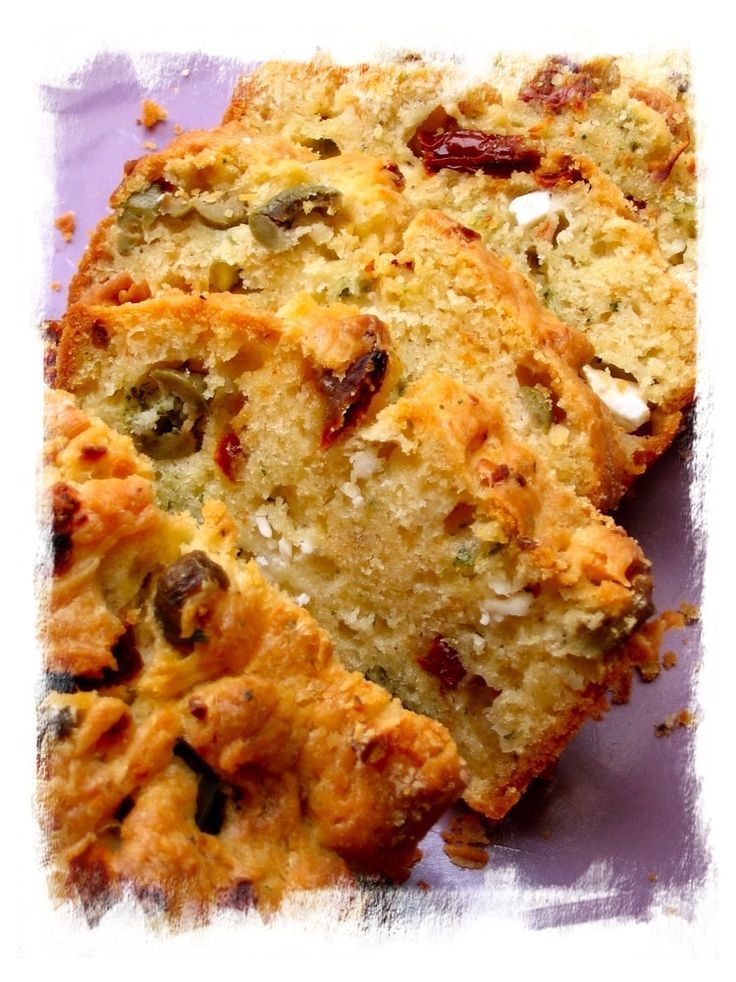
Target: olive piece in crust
{"points": [[139, 212], [192, 577]]}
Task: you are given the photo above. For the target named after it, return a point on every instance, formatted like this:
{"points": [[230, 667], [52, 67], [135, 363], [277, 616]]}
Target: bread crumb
{"points": [[55, 286], [67, 224], [690, 612], [186, 73], [149, 145], [423, 885], [466, 841], [652, 877], [151, 114], [178, 130], [643, 647], [682, 718], [669, 659]]}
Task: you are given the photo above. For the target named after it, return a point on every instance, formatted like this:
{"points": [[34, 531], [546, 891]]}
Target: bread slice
{"points": [[358, 136], [591, 449], [201, 746], [634, 119], [412, 518]]}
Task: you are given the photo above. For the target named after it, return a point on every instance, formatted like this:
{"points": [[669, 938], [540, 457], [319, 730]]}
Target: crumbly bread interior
{"points": [[590, 258], [446, 559], [200, 744]]}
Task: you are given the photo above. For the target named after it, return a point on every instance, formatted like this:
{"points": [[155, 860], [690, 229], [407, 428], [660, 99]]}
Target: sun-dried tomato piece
{"points": [[229, 454], [349, 394], [442, 661], [469, 151], [560, 83], [677, 122], [65, 504], [438, 121], [559, 170]]}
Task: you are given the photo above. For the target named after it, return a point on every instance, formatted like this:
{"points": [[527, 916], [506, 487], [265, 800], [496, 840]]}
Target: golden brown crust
{"points": [[419, 494], [234, 767]]}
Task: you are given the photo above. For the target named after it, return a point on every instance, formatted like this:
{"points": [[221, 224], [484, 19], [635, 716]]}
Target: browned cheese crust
{"points": [[365, 366], [200, 744]]}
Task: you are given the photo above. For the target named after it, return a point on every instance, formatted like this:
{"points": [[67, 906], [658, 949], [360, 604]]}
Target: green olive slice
{"points": [[538, 405], [185, 384], [323, 146], [174, 404], [146, 200], [226, 212], [139, 211], [142, 206], [267, 223], [267, 233], [177, 206]]}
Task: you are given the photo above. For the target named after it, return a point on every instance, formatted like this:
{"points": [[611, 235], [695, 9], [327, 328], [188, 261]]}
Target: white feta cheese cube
{"points": [[530, 208], [623, 398]]}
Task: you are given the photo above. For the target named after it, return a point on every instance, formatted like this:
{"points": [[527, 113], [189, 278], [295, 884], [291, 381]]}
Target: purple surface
{"points": [[616, 832]]}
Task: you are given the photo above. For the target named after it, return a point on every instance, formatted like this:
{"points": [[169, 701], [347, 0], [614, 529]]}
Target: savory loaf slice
{"points": [[487, 322], [291, 209], [456, 306], [413, 519], [528, 185], [200, 743]]}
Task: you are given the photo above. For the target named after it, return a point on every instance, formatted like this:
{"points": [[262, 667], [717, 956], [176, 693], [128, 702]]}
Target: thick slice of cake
{"points": [[413, 517], [200, 744]]}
